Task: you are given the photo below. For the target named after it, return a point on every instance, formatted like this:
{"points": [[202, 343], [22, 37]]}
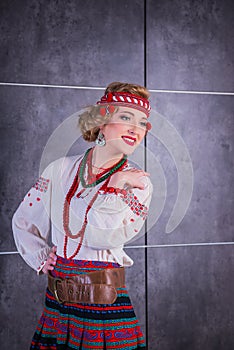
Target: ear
{"points": [[102, 128]]}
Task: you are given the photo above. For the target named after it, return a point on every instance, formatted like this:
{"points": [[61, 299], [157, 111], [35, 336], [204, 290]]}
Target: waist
{"points": [[72, 267], [85, 281]]}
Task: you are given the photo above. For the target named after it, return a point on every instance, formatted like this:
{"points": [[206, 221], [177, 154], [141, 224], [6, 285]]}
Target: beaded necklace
{"points": [[91, 176], [71, 193], [101, 178]]}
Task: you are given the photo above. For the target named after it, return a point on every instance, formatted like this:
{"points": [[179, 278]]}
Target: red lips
{"points": [[129, 140], [130, 137]]}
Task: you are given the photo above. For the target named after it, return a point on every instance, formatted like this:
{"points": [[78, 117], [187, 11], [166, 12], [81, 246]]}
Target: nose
{"points": [[131, 131]]}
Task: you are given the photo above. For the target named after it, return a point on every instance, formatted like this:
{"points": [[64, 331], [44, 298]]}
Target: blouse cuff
{"points": [[116, 190], [39, 269]]}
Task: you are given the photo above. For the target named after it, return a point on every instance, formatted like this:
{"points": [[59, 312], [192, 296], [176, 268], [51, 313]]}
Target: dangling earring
{"points": [[100, 140]]}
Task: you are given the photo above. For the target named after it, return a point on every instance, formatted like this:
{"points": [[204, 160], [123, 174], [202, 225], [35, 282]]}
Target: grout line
{"points": [[55, 86], [159, 246], [145, 164], [103, 88], [178, 245], [6, 253], [194, 92]]}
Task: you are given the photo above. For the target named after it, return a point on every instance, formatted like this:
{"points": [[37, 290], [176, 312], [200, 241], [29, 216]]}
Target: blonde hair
{"points": [[91, 120]]}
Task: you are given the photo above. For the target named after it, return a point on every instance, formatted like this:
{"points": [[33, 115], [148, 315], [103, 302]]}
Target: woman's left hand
{"points": [[129, 178]]}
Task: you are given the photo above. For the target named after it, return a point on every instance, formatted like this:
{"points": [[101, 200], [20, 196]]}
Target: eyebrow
{"points": [[133, 114], [128, 113]]}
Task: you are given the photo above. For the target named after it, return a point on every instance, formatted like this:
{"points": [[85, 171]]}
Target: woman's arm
{"points": [[116, 218], [31, 222]]}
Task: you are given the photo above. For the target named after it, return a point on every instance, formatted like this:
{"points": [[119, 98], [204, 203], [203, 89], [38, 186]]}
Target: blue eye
{"points": [[124, 117], [144, 124]]}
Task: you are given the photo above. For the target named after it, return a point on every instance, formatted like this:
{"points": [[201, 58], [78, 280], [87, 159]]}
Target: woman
{"points": [[92, 204]]}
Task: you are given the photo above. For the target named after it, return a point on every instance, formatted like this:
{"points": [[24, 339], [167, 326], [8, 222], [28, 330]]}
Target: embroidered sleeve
{"points": [[131, 200], [135, 205], [31, 222], [117, 216], [42, 184]]}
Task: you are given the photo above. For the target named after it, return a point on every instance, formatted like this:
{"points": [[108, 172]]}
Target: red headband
{"points": [[126, 99]]}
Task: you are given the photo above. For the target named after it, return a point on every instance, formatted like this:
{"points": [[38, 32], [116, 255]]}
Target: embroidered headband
{"points": [[126, 99]]}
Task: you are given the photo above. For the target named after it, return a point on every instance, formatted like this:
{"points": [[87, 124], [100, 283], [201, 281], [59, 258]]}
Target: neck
{"points": [[104, 157]]}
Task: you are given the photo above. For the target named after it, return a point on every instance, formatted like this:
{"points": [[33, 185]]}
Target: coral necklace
{"points": [[80, 177], [91, 176], [101, 177]]}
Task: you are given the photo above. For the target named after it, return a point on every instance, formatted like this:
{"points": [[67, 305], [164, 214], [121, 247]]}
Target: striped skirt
{"points": [[87, 326]]}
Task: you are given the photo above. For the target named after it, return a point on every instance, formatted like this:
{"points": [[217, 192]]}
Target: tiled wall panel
{"points": [[190, 45], [205, 125], [71, 43], [192, 293]]}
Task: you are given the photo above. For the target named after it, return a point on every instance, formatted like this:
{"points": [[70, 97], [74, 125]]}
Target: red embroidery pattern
{"points": [[133, 202], [115, 190], [41, 184]]}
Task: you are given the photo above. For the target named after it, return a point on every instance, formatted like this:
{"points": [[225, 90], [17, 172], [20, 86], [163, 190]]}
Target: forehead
{"points": [[131, 111]]}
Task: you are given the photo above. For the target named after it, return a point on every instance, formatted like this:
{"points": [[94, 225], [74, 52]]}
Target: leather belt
{"points": [[97, 287]]}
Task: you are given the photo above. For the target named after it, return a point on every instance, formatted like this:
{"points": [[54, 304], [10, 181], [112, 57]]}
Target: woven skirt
{"points": [[87, 326]]}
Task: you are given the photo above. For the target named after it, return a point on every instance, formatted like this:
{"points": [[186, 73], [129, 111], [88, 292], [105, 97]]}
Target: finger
{"points": [[44, 270], [142, 174], [53, 256], [141, 187], [51, 261], [54, 249], [47, 268]]}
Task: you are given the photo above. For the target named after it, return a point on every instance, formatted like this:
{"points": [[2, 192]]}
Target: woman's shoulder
{"points": [[66, 160], [62, 164]]}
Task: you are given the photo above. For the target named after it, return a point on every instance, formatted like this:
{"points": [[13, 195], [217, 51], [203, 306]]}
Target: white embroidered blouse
{"points": [[113, 220]]}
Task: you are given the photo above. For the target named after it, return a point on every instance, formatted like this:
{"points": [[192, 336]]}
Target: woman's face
{"points": [[125, 130]]}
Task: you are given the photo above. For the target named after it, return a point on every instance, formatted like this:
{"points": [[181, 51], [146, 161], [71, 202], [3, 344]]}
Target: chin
{"points": [[128, 152]]}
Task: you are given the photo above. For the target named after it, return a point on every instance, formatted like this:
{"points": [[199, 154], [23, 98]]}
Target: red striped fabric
{"points": [[87, 326]]}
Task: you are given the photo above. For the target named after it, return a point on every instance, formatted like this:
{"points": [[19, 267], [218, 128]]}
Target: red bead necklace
{"points": [[66, 208], [91, 176]]}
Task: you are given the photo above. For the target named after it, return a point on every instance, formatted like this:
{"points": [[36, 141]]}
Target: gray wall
{"points": [[182, 285]]}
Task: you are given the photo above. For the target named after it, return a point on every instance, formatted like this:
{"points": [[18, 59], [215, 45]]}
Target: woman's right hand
{"points": [[129, 178], [51, 261]]}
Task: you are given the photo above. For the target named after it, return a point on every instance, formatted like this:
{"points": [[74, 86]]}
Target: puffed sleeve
{"points": [[116, 218], [31, 222]]}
